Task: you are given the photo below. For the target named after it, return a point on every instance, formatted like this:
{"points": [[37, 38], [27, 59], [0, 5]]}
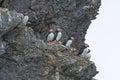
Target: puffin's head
{"points": [[72, 38], [86, 45], [89, 50], [51, 30], [59, 30], [26, 13]]}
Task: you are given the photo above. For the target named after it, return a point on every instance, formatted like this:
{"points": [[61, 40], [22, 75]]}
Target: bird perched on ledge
{"points": [[50, 36], [25, 19], [82, 49], [2, 47], [86, 53], [59, 34], [69, 42]]}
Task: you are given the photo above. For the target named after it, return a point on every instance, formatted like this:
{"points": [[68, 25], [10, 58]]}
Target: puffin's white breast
{"points": [[50, 37], [88, 55], [2, 48], [25, 20], [59, 35], [68, 44]]}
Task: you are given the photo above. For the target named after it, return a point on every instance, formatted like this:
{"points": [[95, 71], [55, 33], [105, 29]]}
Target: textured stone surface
{"points": [[9, 20], [73, 16], [28, 56]]}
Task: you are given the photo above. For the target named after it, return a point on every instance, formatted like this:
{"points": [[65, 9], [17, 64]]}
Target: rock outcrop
{"points": [[73, 16], [28, 56], [9, 20]]}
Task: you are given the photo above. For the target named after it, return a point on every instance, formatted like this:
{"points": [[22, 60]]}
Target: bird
{"points": [[86, 53], [82, 49], [88, 56], [2, 48], [59, 34], [69, 42], [25, 19], [50, 36]]}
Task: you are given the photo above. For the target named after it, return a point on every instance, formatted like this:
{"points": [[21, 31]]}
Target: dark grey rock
{"points": [[9, 20], [73, 16], [28, 55]]}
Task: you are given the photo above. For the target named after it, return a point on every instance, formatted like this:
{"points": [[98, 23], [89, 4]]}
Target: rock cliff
{"points": [[27, 55]]}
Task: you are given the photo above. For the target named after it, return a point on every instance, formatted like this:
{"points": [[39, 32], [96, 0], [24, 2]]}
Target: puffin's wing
{"points": [[55, 35], [2, 47], [50, 37]]}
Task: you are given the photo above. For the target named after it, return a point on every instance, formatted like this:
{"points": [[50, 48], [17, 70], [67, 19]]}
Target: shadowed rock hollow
{"points": [[27, 56]]}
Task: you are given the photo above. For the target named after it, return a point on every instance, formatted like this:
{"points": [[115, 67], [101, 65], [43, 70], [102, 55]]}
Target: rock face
{"points": [[28, 56], [9, 20], [73, 16]]}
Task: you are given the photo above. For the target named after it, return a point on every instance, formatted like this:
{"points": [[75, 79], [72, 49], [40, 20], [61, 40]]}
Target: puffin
{"points": [[69, 42], [25, 19], [50, 36], [82, 49], [59, 34], [85, 51], [86, 54], [2, 48]]}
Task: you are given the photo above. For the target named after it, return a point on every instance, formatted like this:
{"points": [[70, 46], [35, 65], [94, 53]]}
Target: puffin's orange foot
{"points": [[59, 42], [73, 49], [49, 41], [84, 57]]}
